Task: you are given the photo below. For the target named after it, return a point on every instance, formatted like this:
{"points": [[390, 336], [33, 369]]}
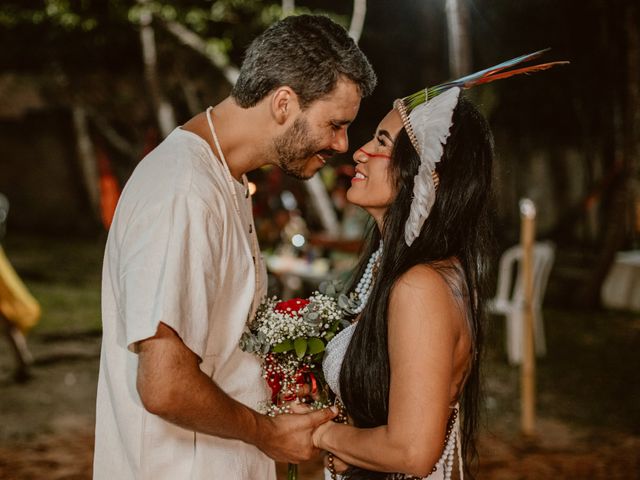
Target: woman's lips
{"points": [[358, 177]]}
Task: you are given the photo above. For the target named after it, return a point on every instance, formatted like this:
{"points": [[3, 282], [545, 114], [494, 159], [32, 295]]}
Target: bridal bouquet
{"points": [[290, 337]]}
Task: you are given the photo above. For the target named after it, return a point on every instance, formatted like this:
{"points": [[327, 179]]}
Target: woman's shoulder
{"points": [[422, 278], [426, 290]]}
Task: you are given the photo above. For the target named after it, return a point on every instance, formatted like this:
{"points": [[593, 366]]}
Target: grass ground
{"points": [[588, 385]]}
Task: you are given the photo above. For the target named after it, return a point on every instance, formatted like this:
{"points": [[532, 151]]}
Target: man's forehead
{"points": [[342, 103], [344, 90]]}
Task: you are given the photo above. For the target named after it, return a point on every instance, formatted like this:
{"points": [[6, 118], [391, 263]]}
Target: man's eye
{"points": [[335, 126]]}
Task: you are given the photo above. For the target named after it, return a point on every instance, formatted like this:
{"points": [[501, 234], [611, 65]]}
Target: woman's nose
{"points": [[359, 156]]}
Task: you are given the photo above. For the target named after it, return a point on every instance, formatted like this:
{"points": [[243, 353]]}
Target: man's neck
{"points": [[242, 134]]}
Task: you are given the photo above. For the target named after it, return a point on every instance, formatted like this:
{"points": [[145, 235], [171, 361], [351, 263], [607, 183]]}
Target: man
{"points": [[183, 272]]}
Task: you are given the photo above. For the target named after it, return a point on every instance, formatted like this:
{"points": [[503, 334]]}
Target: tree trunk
{"points": [[164, 111], [458, 33], [190, 93], [190, 39], [87, 158], [632, 133], [116, 140], [288, 6], [357, 19]]}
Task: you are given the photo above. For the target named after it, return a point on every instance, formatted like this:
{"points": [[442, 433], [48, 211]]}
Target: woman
{"points": [[407, 370], [410, 360]]}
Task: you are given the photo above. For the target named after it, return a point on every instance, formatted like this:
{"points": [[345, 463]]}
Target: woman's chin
{"points": [[353, 197]]}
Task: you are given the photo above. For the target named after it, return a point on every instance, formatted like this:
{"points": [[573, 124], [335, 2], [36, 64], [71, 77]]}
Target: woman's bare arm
{"points": [[425, 322]]}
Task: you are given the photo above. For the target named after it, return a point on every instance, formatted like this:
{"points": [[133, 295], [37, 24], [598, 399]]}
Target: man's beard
{"points": [[294, 148]]}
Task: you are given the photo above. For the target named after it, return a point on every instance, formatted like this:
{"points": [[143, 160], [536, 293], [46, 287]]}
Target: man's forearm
{"points": [[172, 386], [198, 404]]}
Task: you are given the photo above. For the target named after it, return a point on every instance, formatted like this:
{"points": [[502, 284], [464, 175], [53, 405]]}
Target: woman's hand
{"points": [[319, 433], [297, 406]]}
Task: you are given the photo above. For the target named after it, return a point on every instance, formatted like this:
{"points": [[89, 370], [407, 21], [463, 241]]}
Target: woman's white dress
{"points": [[331, 366]]}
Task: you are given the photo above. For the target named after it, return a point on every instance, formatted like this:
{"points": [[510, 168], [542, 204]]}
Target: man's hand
{"points": [[287, 438]]}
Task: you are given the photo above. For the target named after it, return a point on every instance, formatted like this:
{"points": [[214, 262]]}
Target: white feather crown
{"points": [[428, 126]]}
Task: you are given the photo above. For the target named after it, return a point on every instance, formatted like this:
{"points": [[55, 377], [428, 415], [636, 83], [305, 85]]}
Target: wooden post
{"points": [[528, 367]]}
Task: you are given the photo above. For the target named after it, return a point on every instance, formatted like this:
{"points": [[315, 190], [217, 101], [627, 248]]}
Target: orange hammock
{"points": [[16, 303]]}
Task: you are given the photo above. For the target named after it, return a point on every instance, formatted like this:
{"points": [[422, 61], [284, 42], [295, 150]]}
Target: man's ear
{"points": [[284, 104]]}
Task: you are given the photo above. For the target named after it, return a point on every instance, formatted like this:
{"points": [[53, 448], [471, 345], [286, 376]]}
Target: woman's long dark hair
{"points": [[458, 227]]}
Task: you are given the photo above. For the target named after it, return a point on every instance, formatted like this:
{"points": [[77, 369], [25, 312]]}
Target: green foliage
{"points": [[58, 13], [283, 347], [96, 35], [315, 345], [300, 344]]}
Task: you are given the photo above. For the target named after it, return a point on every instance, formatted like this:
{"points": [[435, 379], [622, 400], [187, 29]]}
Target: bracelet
{"points": [[340, 418], [332, 467]]}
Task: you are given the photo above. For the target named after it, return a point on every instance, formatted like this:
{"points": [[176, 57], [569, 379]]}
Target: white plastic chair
{"points": [[509, 299]]}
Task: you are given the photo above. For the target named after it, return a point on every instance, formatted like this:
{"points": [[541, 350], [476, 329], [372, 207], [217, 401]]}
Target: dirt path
{"points": [[68, 456], [46, 424]]}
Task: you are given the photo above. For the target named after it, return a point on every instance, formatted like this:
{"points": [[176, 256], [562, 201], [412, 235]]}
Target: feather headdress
{"points": [[427, 118]]}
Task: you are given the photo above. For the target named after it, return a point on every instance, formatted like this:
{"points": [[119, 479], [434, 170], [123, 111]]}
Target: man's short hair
{"points": [[308, 53]]}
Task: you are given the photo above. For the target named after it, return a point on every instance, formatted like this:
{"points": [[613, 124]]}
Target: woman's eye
{"points": [[381, 142]]}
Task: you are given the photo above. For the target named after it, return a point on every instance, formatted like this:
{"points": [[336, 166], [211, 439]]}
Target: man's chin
{"points": [[306, 176], [297, 174], [300, 173]]}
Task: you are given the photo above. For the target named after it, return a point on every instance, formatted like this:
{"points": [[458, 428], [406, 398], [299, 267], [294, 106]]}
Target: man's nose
{"points": [[341, 141]]}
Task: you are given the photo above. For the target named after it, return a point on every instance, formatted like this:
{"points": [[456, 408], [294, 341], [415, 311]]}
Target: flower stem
{"points": [[292, 472]]}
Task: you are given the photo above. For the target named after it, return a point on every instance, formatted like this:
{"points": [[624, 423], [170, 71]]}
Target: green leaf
{"points": [[315, 345], [329, 335], [283, 347], [300, 344]]}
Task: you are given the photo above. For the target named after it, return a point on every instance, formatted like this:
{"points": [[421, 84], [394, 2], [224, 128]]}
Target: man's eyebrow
{"points": [[386, 134]]}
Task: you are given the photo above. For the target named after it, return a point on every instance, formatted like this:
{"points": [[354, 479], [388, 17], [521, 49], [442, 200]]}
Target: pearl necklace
{"points": [[365, 285], [255, 250], [445, 464]]}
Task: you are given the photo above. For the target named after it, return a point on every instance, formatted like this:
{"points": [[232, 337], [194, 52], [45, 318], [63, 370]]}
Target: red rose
{"points": [[291, 306]]}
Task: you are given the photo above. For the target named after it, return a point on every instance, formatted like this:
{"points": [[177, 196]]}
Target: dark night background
{"points": [[568, 138]]}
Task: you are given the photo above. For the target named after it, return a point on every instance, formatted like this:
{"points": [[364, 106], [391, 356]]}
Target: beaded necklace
{"points": [[365, 284], [252, 234]]}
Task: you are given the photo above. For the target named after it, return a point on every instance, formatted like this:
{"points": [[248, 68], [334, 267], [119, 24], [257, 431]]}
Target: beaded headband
{"points": [[427, 118]]}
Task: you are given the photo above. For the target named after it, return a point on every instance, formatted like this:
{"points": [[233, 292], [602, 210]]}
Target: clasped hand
{"points": [[297, 407]]}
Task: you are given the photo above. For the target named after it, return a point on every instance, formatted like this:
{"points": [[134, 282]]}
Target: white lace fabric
{"points": [[333, 357]]}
